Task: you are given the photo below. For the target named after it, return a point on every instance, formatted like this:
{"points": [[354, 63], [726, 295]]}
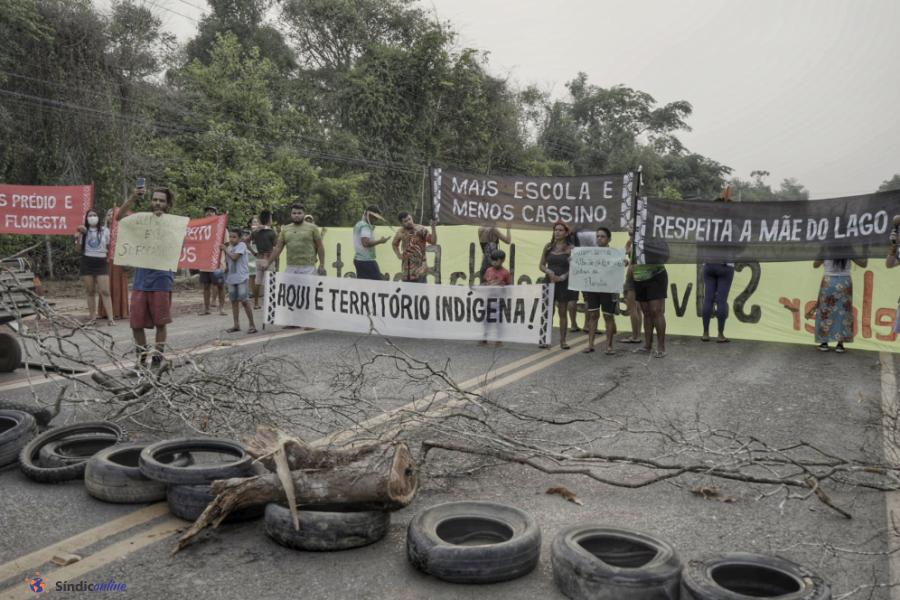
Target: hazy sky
{"points": [[800, 88]]}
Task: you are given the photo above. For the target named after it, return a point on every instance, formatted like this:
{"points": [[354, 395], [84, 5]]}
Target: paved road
{"points": [[781, 393]]}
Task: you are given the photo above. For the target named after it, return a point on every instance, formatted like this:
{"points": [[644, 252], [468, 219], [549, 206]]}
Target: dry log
{"points": [[300, 455], [384, 478]]}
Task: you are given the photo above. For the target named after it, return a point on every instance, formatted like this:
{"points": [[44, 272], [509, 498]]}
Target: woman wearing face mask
{"points": [[92, 242], [118, 285]]}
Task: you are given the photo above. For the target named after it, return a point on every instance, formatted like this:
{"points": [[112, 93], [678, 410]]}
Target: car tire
{"points": [[41, 415], [598, 561], [29, 457], [73, 450], [16, 429], [435, 537], [739, 576], [196, 474], [189, 501], [113, 475], [10, 353], [326, 528]]}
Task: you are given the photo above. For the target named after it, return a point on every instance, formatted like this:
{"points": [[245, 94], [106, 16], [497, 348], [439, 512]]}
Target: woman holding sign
{"points": [[555, 264], [92, 242]]}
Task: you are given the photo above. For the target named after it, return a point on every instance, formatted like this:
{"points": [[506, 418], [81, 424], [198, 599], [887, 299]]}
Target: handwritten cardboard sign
{"points": [[597, 270], [145, 240]]}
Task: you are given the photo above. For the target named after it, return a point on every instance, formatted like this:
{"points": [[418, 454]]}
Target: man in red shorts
{"points": [[151, 298]]}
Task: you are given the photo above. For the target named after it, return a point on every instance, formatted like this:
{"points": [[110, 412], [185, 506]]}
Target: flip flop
{"points": [[587, 350], [543, 346], [659, 354], [725, 341], [232, 330], [611, 352], [704, 339], [482, 343], [205, 312], [640, 351], [564, 346], [252, 330], [630, 341], [575, 330]]}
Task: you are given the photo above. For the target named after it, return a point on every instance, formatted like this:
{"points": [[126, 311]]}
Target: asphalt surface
{"points": [[777, 392]]}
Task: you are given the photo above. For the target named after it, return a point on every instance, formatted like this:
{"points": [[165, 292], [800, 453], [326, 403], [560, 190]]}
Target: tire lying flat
{"points": [[17, 428], [325, 528], [29, 457], [598, 562], [474, 542], [741, 576], [113, 475], [197, 474], [73, 450], [189, 501], [41, 415]]}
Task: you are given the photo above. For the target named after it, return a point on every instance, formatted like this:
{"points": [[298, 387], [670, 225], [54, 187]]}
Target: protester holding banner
{"points": [[555, 264], [212, 279], [364, 243], [488, 238], [238, 280], [303, 242], [118, 282], [634, 309], [834, 311], [151, 292], [264, 237], [92, 242], [600, 302], [651, 284], [413, 239]]}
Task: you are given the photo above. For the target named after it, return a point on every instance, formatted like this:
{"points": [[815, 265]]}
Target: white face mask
{"points": [[92, 220]]}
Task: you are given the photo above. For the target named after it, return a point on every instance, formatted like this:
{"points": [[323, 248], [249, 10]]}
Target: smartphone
{"points": [[141, 182]]}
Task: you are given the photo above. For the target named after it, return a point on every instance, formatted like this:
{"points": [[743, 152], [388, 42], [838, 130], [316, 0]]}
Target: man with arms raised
{"points": [[151, 297], [413, 239]]}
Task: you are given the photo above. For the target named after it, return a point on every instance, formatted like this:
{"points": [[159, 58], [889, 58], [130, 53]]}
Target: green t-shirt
{"points": [[361, 230], [300, 243], [265, 240]]}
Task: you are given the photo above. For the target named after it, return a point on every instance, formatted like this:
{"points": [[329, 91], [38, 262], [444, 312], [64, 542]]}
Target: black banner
{"points": [[583, 203], [679, 231]]}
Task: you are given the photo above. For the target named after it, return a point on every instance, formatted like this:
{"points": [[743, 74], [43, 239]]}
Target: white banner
{"points": [[515, 313], [597, 270]]}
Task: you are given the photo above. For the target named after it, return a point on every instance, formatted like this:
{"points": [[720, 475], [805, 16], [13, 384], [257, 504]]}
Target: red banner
{"points": [[201, 243], [54, 210]]}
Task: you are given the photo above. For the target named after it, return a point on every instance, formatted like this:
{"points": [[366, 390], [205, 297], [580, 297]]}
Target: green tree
{"points": [[891, 184], [791, 189]]}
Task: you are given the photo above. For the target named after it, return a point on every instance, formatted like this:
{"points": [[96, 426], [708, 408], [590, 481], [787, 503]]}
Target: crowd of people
{"points": [[645, 288]]}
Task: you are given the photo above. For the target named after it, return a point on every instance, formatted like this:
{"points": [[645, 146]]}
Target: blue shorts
{"points": [[239, 292], [209, 278]]}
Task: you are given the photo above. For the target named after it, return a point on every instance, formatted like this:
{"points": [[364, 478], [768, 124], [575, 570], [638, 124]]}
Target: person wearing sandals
{"points": [[634, 309], [834, 311], [597, 302], [651, 284], [717, 279], [496, 275], [92, 242], [238, 280], [555, 265], [211, 280]]}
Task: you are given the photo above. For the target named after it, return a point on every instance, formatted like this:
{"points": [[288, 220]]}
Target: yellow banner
{"points": [[145, 240], [768, 301]]}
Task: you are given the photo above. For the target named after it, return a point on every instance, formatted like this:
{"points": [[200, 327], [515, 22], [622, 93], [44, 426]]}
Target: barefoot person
{"points": [[151, 292], [601, 302], [555, 264], [212, 282], [238, 279], [92, 242]]}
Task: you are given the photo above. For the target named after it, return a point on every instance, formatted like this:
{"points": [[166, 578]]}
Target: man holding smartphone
{"points": [[151, 298]]}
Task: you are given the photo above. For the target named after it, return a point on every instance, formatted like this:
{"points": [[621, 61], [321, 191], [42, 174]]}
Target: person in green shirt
{"points": [[303, 241], [364, 243]]}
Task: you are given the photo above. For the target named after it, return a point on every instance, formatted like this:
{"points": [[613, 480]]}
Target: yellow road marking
{"points": [[100, 559], [31, 562]]}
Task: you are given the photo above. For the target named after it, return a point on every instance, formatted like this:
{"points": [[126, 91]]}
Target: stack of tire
{"points": [[479, 542], [61, 453]]}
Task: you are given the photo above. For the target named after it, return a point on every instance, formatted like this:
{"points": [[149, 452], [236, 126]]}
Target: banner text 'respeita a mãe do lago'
{"points": [[768, 301], [52, 210]]}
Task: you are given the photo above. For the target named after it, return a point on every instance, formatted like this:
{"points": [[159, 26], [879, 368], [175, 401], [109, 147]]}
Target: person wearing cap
{"points": [[212, 279], [555, 264], [364, 243]]}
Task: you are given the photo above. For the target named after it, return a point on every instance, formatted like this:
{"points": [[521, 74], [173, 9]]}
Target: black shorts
{"points": [[94, 266], [208, 278], [655, 288], [604, 302], [367, 269], [562, 293]]}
